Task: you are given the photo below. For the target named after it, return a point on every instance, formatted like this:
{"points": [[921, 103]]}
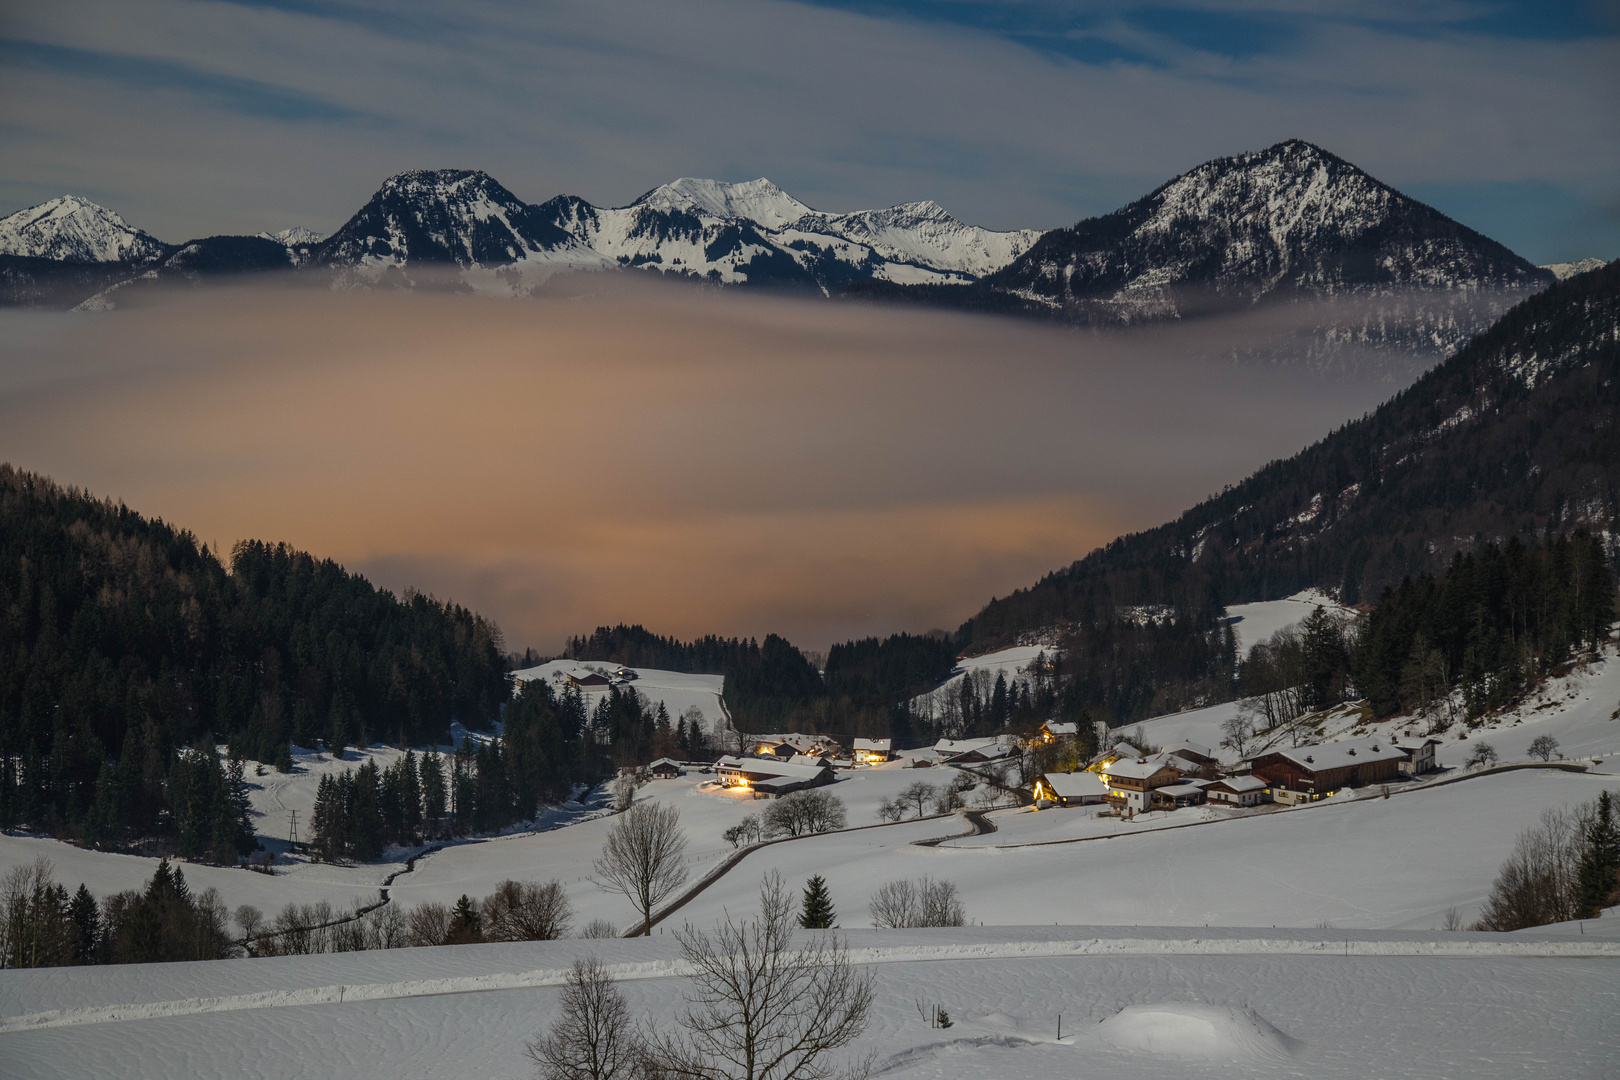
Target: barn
{"points": [[1313, 771]]}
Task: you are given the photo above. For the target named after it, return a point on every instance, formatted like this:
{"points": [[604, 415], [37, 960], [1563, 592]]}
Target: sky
{"points": [[644, 452], [194, 117]]}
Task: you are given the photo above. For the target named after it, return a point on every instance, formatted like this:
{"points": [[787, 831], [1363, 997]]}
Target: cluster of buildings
{"points": [[1188, 774], [774, 765]]}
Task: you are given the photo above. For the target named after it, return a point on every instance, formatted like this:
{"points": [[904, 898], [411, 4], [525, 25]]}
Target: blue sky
{"points": [[200, 116]]}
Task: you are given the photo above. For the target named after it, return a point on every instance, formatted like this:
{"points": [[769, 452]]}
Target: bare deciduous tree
{"points": [[924, 902], [644, 857], [599, 928], [916, 796], [764, 1006], [1543, 747], [1236, 732], [1539, 882], [526, 911], [593, 1038], [428, 924], [803, 812]]}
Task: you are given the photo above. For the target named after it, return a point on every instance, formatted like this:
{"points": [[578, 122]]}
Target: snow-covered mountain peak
{"points": [[1570, 269], [74, 229], [295, 236], [759, 201]]}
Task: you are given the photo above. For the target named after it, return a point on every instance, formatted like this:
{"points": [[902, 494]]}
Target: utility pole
{"points": [[292, 833]]}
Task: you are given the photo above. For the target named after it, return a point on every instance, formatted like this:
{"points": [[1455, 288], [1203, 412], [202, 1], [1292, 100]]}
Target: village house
{"points": [[1310, 772], [974, 751], [1131, 781], [585, 679], [665, 769], [1419, 751], [1192, 759], [1247, 790], [873, 751], [1058, 731], [1070, 789], [771, 776]]}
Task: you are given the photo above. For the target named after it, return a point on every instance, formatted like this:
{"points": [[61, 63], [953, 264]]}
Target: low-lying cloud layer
{"points": [[697, 463]]}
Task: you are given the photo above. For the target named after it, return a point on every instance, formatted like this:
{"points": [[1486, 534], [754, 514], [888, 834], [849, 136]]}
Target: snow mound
{"points": [[1198, 1032]]}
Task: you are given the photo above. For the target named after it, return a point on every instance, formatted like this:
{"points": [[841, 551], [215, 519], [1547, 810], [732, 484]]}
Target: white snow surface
{"points": [[1133, 1004], [73, 229], [678, 690], [1254, 623]]}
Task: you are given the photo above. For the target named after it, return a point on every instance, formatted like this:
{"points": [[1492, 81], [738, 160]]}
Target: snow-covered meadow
{"points": [[1133, 1003]]}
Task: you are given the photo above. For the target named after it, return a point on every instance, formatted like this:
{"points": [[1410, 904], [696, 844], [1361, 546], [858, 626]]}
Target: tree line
{"points": [[125, 642]]}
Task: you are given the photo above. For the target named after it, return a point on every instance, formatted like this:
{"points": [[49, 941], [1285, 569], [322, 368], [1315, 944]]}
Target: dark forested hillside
{"points": [[1514, 436], [124, 641]]}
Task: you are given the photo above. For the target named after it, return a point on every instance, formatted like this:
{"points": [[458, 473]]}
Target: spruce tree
{"points": [[465, 923], [1599, 873], [284, 761], [817, 912], [84, 926]]}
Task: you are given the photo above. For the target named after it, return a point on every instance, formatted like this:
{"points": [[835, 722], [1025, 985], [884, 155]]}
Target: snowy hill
{"points": [[75, 230]]}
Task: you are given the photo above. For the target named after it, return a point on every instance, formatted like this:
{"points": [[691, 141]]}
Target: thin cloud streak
{"points": [[696, 462]]}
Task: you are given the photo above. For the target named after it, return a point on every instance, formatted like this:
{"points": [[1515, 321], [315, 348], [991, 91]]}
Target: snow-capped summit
{"points": [[758, 201], [1292, 218], [450, 217], [297, 236], [1570, 269], [74, 230], [926, 234]]}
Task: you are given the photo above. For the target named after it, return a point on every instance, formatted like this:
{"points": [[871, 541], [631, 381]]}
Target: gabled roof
{"points": [[1340, 755], [1179, 791], [664, 761], [1199, 750], [770, 767], [1416, 742], [963, 746], [879, 745], [1239, 784], [1062, 727], [1075, 785], [1138, 768]]}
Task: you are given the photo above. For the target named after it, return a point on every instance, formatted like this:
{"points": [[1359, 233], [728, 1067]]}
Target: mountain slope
{"points": [[755, 233], [1291, 220], [449, 218], [1286, 224], [1514, 435], [75, 230]]}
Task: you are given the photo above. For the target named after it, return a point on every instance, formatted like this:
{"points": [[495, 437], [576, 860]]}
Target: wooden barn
{"points": [[1326, 767]]}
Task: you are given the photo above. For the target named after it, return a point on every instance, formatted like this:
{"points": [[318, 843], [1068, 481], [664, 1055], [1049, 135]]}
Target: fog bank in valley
{"points": [[696, 462]]}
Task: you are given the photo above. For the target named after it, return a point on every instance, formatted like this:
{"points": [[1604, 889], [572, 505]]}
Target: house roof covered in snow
{"points": [[1197, 751], [770, 767], [1238, 785], [879, 746], [1075, 785], [1415, 742], [1138, 768], [1062, 727], [1341, 755]]}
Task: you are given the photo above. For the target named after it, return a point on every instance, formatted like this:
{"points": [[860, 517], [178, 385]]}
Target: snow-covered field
{"points": [[677, 690], [1577, 710], [1346, 977], [1235, 1003], [1399, 862], [1254, 623]]}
